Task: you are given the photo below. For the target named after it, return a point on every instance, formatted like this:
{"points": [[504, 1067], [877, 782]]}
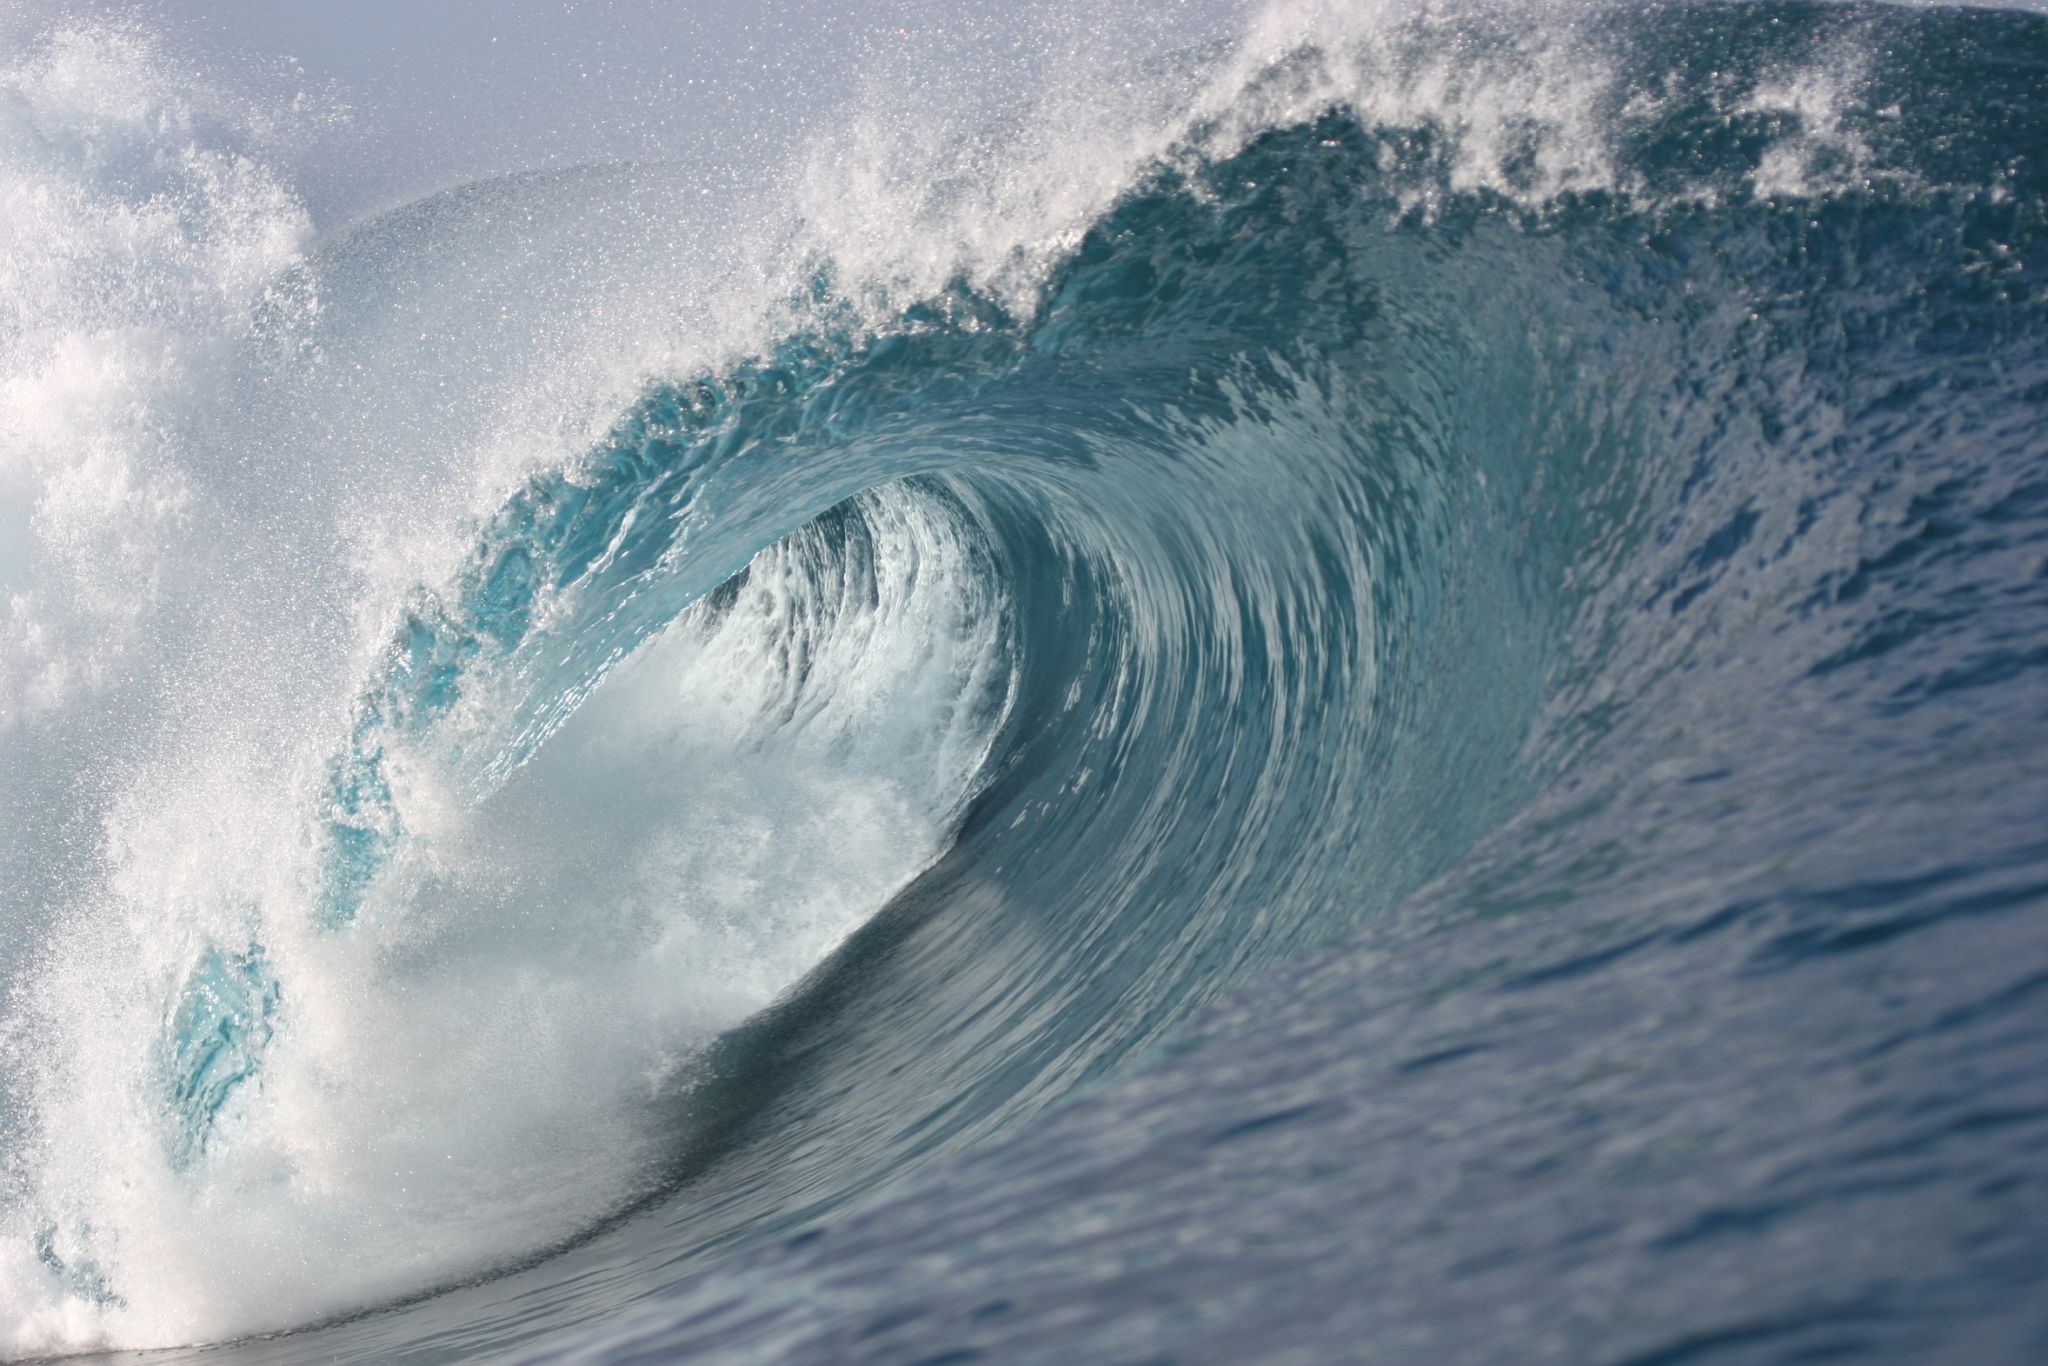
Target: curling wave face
{"points": [[1547, 528]]}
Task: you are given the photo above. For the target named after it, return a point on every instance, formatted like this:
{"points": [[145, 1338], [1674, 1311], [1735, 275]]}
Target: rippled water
{"points": [[1381, 697]]}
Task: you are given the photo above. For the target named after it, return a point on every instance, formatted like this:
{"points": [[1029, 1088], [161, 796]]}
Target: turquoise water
{"points": [[1439, 735]]}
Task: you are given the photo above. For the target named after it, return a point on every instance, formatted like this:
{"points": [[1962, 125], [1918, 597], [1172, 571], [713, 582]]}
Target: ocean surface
{"points": [[1373, 689]]}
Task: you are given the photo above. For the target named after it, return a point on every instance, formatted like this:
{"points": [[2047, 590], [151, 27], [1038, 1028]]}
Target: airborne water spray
{"points": [[644, 745]]}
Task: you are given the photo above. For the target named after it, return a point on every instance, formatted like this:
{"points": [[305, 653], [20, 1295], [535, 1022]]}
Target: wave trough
{"points": [[1404, 652]]}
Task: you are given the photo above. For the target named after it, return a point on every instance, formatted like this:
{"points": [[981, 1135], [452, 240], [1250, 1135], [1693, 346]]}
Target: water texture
{"points": [[1379, 691]]}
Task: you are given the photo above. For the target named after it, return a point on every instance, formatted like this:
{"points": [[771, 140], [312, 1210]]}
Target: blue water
{"points": [[1517, 823]]}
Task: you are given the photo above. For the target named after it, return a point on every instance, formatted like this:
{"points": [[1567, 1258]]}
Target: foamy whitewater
{"points": [[1301, 682]]}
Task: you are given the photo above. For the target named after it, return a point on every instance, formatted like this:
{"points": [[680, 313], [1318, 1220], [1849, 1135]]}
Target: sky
{"points": [[422, 94]]}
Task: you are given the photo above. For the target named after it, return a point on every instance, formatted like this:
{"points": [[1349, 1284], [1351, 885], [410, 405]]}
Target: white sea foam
{"points": [[139, 234], [228, 454], [473, 1068]]}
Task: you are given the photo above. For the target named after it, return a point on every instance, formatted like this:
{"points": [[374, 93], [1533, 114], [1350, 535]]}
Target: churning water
{"points": [[1375, 690]]}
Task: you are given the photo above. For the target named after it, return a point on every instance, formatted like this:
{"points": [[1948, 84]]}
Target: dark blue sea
{"points": [[1374, 690]]}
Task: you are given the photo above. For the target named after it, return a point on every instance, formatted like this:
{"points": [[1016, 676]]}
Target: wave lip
{"points": [[1537, 527]]}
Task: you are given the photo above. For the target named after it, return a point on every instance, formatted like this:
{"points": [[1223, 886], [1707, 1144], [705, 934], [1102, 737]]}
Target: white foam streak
{"points": [[475, 1069]]}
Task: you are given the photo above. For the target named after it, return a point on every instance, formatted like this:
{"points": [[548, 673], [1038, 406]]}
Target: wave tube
{"points": [[1402, 652]]}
